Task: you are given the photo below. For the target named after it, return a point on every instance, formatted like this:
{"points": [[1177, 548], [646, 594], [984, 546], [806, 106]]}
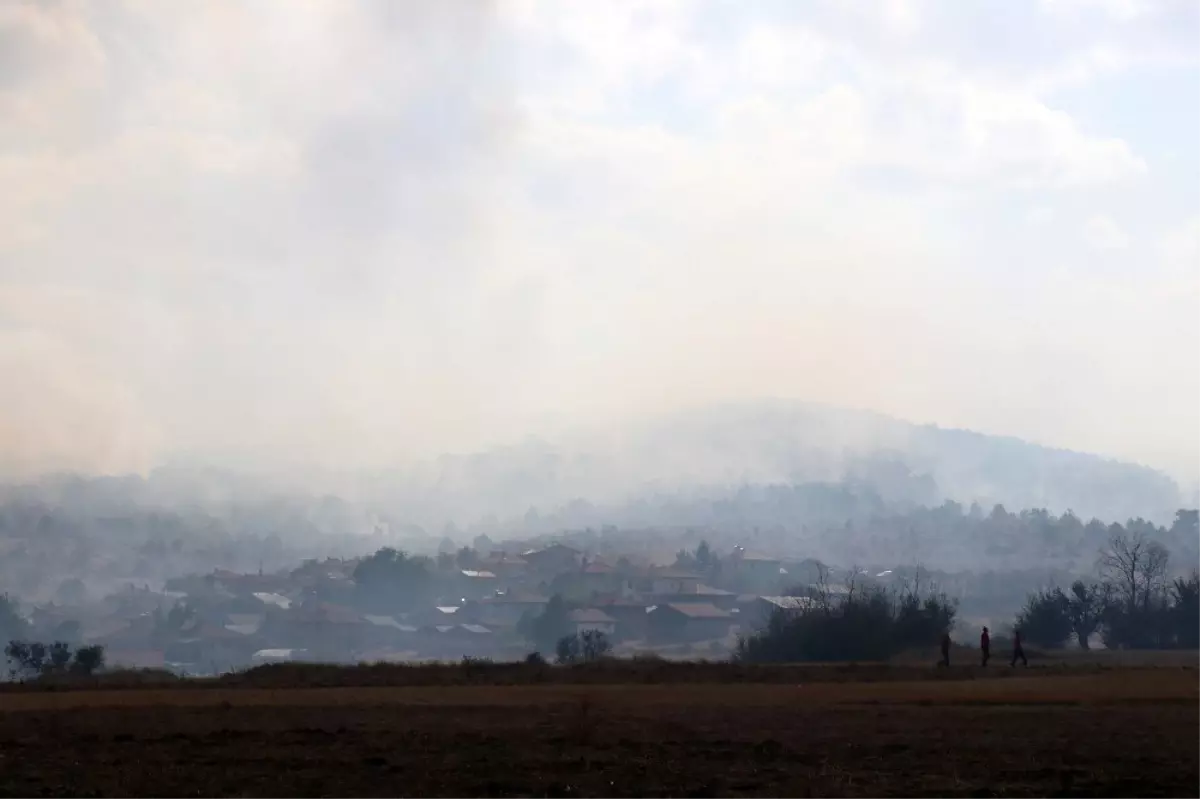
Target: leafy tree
{"points": [[35, 659], [168, 627], [466, 558], [17, 654], [867, 624], [548, 628], [1046, 619], [685, 560], [1186, 610], [26, 658], [392, 580], [58, 658], [594, 645], [566, 649], [586, 647], [1085, 607]]}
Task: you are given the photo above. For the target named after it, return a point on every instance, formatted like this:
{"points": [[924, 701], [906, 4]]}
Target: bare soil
{"points": [[1116, 732]]}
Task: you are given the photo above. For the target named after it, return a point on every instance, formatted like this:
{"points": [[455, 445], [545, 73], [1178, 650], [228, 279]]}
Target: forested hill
{"points": [[772, 443]]}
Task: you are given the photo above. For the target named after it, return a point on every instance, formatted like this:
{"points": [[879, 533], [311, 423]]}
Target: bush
{"points": [[866, 625], [88, 660], [32, 659], [1046, 619], [586, 647]]}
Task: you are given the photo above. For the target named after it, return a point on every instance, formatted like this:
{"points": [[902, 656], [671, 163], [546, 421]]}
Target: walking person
{"points": [[1018, 650], [946, 650], [985, 646]]}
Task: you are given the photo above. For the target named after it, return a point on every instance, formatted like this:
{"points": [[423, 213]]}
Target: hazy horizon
{"points": [[280, 235]]}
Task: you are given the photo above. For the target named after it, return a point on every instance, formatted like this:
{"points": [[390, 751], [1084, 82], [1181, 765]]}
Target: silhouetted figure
{"points": [[1018, 650], [946, 650], [985, 646]]}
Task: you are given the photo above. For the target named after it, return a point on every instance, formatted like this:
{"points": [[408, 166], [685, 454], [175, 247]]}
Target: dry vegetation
{"points": [[638, 729]]}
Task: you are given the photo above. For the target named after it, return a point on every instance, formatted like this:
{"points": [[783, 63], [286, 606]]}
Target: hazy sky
{"points": [[357, 231]]}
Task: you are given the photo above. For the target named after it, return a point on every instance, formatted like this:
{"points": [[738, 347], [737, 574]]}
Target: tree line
{"points": [[1132, 603]]}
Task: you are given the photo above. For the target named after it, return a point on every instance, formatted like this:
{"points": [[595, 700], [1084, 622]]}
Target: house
{"points": [[592, 619], [688, 621], [699, 593], [670, 581], [272, 599], [504, 565], [386, 631], [628, 613], [210, 645], [244, 623], [758, 612], [278, 656], [554, 559], [592, 578], [328, 631], [453, 641], [440, 614], [755, 568], [504, 610], [476, 583]]}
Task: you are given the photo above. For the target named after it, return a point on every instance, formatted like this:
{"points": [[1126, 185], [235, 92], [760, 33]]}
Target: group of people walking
{"points": [[985, 648]]}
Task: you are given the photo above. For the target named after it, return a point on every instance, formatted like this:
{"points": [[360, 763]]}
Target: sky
{"points": [[304, 232]]}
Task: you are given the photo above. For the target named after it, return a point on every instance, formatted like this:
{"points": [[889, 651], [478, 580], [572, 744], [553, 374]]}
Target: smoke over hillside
{"points": [[329, 236], [727, 447]]}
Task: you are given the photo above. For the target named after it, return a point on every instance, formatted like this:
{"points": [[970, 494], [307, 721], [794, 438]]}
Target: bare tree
{"points": [[1135, 566]]}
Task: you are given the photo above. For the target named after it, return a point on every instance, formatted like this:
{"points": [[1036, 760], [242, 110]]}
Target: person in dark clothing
{"points": [[946, 649], [1018, 650], [985, 646]]}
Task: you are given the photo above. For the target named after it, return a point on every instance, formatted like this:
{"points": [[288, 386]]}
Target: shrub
{"points": [[1046, 619], [868, 624], [30, 659], [586, 647], [88, 660]]}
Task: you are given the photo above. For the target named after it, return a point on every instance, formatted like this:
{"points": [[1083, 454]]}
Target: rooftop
{"points": [[590, 616], [698, 610], [789, 602]]}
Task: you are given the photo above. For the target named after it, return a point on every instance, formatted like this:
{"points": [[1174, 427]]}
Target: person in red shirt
{"points": [[1018, 650], [985, 645]]}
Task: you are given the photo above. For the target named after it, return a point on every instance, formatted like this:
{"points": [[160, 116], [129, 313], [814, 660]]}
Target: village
{"points": [[468, 604]]}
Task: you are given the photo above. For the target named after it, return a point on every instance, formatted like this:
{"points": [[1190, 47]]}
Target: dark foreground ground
{"points": [[1117, 732]]}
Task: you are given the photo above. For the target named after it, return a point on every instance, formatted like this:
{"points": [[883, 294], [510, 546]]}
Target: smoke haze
{"points": [[353, 235]]}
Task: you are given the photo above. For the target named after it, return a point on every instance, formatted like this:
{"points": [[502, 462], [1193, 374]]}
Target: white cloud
{"points": [[1180, 248], [355, 232], [1041, 215], [1101, 232]]}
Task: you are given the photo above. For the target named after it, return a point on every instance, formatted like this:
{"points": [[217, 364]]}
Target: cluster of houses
{"points": [[224, 620]]}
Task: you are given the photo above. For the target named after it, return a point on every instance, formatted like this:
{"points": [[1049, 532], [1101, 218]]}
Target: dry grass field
{"points": [[867, 731]]}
